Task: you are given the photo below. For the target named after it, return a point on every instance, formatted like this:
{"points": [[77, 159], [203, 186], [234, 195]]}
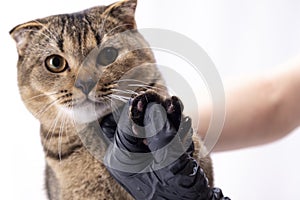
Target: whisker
{"points": [[146, 86], [54, 126], [142, 84], [115, 108], [61, 129], [40, 95], [125, 91], [123, 100], [134, 80], [120, 98], [46, 108], [52, 129]]}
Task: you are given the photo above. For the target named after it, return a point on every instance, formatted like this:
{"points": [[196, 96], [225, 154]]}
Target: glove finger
{"points": [[108, 123], [159, 132], [124, 125], [185, 128], [155, 119], [186, 134], [126, 137], [108, 126]]}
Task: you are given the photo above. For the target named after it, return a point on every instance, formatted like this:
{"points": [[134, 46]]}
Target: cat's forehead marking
{"points": [[75, 33]]}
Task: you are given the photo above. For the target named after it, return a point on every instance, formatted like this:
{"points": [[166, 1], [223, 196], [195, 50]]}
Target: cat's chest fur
{"points": [[79, 177], [73, 171]]}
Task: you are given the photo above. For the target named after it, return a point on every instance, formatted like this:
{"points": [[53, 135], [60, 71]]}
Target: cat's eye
{"points": [[107, 56], [56, 64]]}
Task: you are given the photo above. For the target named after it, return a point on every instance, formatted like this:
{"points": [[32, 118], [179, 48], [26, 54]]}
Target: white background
{"points": [[242, 37]]}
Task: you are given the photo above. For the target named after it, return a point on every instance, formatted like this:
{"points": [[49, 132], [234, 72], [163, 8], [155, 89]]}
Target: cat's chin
{"points": [[87, 112]]}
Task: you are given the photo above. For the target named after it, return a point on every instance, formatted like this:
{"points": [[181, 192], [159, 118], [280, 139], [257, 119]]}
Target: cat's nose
{"points": [[85, 85]]}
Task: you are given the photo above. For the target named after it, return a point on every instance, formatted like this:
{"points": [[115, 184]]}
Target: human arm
{"points": [[259, 110]]}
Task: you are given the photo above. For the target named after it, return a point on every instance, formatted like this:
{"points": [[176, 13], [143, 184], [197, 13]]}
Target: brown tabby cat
{"points": [[67, 90]]}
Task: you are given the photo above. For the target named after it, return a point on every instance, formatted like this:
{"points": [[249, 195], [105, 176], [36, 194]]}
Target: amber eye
{"points": [[56, 64], [107, 56]]}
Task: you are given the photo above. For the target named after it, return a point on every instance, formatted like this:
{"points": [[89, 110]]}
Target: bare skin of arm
{"points": [[259, 110]]}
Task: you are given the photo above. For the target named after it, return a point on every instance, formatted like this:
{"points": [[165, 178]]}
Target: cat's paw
{"points": [[139, 105], [173, 107]]}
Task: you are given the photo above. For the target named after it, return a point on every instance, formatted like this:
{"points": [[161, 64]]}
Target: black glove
{"points": [[153, 162]]}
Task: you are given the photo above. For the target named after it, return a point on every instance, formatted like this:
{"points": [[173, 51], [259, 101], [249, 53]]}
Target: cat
{"points": [[70, 69]]}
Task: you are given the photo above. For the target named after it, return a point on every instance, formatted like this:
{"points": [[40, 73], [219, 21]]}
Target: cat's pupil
{"points": [[56, 62]]}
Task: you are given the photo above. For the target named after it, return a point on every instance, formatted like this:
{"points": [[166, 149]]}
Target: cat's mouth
{"points": [[89, 102], [88, 111]]}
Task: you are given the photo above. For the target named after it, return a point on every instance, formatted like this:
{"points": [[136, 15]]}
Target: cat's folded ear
{"points": [[123, 11], [23, 33]]}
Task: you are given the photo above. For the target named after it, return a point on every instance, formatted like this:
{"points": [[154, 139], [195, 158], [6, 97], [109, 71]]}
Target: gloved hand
{"points": [[151, 159]]}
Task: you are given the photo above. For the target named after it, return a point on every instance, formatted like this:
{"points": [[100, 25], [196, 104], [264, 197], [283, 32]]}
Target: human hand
{"points": [[149, 157]]}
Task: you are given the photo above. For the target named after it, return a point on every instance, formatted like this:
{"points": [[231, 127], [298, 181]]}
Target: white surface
{"points": [[240, 36]]}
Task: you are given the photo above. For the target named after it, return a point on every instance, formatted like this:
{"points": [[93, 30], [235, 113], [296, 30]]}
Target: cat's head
{"points": [[76, 64]]}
